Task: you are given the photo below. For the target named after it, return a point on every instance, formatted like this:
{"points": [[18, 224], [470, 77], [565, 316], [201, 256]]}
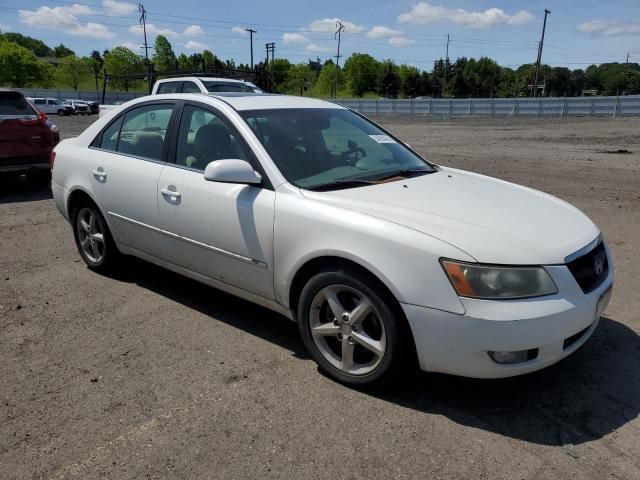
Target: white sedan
{"points": [[312, 210]]}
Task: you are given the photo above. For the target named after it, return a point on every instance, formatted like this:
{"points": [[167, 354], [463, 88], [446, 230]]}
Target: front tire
{"points": [[351, 329], [93, 238]]}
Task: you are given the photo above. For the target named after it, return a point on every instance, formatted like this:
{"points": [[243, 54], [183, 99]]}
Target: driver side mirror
{"points": [[232, 171]]}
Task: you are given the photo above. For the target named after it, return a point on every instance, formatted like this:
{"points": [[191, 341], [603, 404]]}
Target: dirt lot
{"points": [[150, 375]]}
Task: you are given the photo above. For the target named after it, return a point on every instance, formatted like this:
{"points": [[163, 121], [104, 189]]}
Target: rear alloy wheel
{"points": [[93, 238], [349, 328], [61, 113]]}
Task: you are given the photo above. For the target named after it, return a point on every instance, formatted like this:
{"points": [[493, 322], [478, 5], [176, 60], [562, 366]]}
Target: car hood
{"points": [[489, 219]]}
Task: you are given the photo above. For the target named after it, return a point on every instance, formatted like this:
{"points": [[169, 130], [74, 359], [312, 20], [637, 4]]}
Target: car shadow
{"points": [[585, 397], [17, 188]]}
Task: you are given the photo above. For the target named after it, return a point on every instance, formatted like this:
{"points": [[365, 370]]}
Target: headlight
{"points": [[492, 282]]}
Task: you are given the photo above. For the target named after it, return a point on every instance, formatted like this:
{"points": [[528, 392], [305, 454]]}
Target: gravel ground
{"points": [[149, 375]]}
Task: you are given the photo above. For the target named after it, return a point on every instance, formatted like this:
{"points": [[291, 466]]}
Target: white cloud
{"points": [[130, 45], [423, 13], [400, 41], [194, 31], [116, 9], [329, 25], [66, 19], [294, 38], [313, 48], [239, 31], [153, 30], [380, 31], [5, 28], [191, 45], [610, 28]]}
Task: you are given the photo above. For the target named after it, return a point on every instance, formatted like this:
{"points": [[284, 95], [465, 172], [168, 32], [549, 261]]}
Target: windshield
{"points": [[331, 148], [227, 87]]}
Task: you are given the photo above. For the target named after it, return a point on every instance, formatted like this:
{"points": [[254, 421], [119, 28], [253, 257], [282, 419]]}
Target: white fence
{"points": [[500, 107], [94, 96], [435, 107]]}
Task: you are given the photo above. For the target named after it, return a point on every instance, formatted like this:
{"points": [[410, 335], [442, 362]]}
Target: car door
{"points": [[221, 230], [128, 157]]}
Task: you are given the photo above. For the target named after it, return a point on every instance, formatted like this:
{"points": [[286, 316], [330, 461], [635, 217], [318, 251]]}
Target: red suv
{"points": [[27, 137]]}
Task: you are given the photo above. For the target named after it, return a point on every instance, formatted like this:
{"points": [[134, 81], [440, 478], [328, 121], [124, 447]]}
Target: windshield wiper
{"points": [[346, 183], [406, 172]]}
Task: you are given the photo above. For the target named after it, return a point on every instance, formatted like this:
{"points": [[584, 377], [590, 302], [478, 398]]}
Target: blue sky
{"points": [[579, 32]]}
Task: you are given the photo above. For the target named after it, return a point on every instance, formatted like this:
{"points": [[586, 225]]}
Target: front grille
{"points": [[585, 268]]}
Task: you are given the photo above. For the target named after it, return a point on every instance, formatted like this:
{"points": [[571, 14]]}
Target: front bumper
{"points": [[458, 344]]}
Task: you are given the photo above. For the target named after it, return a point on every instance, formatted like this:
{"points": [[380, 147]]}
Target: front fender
{"points": [[405, 260]]}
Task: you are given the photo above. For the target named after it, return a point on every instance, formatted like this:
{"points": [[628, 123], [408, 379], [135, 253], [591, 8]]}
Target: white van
{"points": [[52, 106]]}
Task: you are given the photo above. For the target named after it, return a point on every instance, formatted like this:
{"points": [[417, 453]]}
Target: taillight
{"points": [[52, 158], [40, 119]]}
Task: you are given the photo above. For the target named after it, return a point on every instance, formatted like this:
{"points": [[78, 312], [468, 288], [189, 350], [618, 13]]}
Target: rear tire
{"points": [[93, 238], [352, 328], [61, 113]]}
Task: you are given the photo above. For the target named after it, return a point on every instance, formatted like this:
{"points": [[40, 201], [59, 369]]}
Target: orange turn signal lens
{"points": [[456, 275]]}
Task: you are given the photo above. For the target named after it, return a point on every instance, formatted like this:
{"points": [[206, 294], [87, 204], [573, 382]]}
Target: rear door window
{"points": [[109, 139], [144, 131]]}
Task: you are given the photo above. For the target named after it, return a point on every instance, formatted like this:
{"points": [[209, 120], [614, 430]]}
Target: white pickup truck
{"points": [[196, 85]]}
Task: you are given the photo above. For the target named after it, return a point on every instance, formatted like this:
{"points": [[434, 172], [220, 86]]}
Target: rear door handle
{"points": [[170, 193], [99, 173]]}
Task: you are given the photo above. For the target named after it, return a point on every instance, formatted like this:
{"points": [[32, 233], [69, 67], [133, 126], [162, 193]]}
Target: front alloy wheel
{"points": [[347, 329], [353, 327]]}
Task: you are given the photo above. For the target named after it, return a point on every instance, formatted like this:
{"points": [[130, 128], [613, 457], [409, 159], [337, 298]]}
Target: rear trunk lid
{"points": [[22, 128]]}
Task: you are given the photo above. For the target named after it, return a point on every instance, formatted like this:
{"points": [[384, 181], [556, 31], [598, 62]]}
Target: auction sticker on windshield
{"points": [[382, 138]]}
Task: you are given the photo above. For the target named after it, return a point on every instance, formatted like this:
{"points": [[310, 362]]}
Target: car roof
{"points": [[202, 79], [261, 101]]}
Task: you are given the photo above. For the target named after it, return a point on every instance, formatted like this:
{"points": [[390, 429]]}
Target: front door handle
{"points": [[170, 193]]}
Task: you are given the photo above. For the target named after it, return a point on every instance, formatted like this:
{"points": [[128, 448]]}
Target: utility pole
{"points": [[544, 27], [271, 47], [446, 65], [340, 29], [143, 23], [251, 32]]}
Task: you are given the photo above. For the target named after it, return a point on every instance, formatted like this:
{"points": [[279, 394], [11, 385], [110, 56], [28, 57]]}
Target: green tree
{"points": [[61, 51], [409, 81], [326, 80], [122, 61], [73, 70], [164, 60], [38, 47], [389, 80], [19, 67], [361, 72], [300, 79], [211, 61], [279, 72], [96, 62]]}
